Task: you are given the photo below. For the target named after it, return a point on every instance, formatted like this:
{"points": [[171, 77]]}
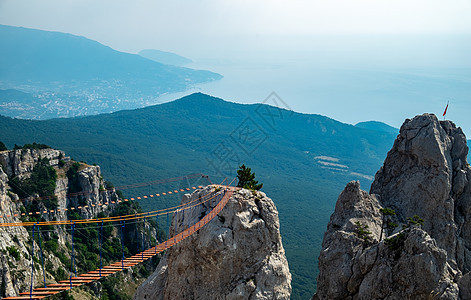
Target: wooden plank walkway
{"points": [[64, 285]]}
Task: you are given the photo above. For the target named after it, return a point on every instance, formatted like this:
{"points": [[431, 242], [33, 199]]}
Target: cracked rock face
{"points": [[15, 242], [238, 255], [21, 162], [424, 174]]}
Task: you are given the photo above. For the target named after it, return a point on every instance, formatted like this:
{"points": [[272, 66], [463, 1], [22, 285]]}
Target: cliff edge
{"points": [[238, 255], [42, 184], [410, 237]]}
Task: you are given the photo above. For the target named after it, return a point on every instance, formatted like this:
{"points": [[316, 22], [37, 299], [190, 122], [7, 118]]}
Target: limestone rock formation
{"points": [[15, 242], [21, 162], [238, 255], [425, 175]]}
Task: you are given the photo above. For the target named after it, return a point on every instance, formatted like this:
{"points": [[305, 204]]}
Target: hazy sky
{"points": [[176, 24], [375, 34]]}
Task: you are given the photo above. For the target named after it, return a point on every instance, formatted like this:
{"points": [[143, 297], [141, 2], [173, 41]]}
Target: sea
{"points": [[387, 82]]}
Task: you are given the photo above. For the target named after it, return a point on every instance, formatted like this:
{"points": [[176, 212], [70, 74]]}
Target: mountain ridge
{"points": [[164, 57], [86, 55], [377, 126], [408, 238], [303, 160], [71, 75]]}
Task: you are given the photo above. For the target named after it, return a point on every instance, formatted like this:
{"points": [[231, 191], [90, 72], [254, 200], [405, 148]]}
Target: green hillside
{"points": [[75, 76], [377, 126], [304, 161]]}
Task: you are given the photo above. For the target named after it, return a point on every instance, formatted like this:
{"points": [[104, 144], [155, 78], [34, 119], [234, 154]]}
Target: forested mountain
{"points": [[303, 160], [377, 126], [72, 75]]}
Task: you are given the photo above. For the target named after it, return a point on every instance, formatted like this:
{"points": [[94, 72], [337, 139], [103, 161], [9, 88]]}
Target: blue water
{"points": [[347, 92]]}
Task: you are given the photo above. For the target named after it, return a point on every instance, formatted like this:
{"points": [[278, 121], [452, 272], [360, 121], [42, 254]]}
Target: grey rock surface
{"points": [[425, 174], [15, 270], [238, 255]]}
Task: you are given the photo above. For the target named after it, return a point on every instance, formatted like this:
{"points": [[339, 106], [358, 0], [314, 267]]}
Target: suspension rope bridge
{"points": [[109, 202], [221, 192]]}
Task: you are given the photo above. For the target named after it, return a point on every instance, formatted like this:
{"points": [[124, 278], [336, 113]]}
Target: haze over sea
{"points": [[348, 78], [349, 60]]}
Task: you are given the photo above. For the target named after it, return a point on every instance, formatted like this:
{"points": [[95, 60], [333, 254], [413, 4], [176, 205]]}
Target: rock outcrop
{"points": [[238, 255], [423, 251], [21, 162], [15, 242]]}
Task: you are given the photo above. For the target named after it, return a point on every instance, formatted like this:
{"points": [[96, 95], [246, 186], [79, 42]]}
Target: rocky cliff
{"points": [[89, 186], [410, 237], [238, 255], [20, 172]]}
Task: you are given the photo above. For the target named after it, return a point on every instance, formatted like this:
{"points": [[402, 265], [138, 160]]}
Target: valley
{"points": [[203, 134]]}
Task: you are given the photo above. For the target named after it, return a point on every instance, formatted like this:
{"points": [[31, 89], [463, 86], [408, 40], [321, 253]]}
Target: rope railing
{"points": [[121, 187], [106, 219], [79, 207], [52, 289]]}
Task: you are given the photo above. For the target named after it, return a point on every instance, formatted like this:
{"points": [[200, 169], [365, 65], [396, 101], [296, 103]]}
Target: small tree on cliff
{"points": [[247, 179], [387, 213]]}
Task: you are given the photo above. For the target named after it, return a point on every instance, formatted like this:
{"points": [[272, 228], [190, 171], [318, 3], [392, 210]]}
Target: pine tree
{"points": [[387, 212], [247, 179]]}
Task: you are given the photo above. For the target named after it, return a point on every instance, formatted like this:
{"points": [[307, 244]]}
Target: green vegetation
{"points": [[2, 146], [247, 179], [391, 225], [111, 289], [51, 246], [86, 237], [66, 296], [86, 240], [415, 220], [377, 126], [33, 146], [42, 182], [396, 243], [12, 251], [361, 231], [188, 135], [387, 212], [74, 185], [86, 247]]}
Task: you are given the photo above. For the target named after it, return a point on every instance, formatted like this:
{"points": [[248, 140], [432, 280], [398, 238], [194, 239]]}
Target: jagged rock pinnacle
{"points": [[238, 255], [425, 174]]}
